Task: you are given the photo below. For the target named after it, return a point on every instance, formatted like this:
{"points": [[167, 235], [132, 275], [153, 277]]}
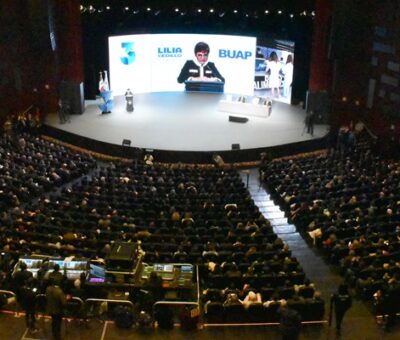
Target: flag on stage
{"points": [[106, 86], [101, 83]]}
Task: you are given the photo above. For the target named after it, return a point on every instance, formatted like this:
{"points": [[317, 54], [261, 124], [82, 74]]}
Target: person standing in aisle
{"points": [[341, 303]]}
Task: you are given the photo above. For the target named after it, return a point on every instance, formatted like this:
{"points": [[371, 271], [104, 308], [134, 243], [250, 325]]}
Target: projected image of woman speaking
{"points": [[200, 69]]}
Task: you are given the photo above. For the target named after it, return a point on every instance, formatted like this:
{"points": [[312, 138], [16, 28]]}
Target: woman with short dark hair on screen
{"points": [[200, 69]]}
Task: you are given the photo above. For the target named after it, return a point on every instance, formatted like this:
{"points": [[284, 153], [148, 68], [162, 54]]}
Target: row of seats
{"points": [[257, 312]]}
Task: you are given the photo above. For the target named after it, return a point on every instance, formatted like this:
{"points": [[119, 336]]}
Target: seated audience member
{"points": [[232, 299], [251, 298], [77, 290]]}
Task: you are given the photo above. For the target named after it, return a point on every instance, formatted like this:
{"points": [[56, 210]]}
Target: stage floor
{"points": [[187, 122]]}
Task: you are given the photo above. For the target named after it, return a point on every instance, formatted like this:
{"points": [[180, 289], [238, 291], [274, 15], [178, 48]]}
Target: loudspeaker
{"points": [[71, 93], [236, 146], [126, 142], [238, 119], [318, 102]]}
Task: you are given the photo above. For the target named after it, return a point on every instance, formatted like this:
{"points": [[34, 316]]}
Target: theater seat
{"points": [[215, 312], [235, 313], [256, 313], [315, 310]]}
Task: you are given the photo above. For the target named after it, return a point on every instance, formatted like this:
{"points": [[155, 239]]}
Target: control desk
{"points": [[173, 275]]}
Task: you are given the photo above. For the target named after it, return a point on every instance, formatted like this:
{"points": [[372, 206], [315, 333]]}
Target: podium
{"points": [[129, 103], [204, 86]]}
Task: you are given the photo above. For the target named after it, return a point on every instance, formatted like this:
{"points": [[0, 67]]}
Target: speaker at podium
{"points": [[129, 100]]}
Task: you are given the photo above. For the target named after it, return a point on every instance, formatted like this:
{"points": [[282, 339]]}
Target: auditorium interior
{"points": [[193, 213]]}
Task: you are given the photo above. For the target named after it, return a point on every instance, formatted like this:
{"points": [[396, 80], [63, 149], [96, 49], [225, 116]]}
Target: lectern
{"points": [[204, 86], [129, 103]]}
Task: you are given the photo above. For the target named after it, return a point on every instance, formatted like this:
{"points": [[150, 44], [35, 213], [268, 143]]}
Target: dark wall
{"points": [[40, 45], [26, 62]]}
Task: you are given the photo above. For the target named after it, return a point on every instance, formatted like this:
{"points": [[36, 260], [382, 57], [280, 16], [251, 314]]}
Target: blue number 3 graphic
{"points": [[130, 56]]}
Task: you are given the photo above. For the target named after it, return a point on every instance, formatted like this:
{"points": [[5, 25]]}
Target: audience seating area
{"points": [[31, 166], [346, 202], [187, 214]]}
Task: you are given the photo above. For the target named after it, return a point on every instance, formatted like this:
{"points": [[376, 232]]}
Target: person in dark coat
{"points": [[21, 277], [290, 322], [56, 276], [55, 299], [27, 297], [391, 302], [341, 303], [309, 122]]}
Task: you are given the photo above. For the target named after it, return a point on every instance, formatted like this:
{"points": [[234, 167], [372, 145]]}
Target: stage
{"points": [[188, 122]]}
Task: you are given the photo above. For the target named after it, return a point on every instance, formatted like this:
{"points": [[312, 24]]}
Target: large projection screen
{"points": [[152, 62]]}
